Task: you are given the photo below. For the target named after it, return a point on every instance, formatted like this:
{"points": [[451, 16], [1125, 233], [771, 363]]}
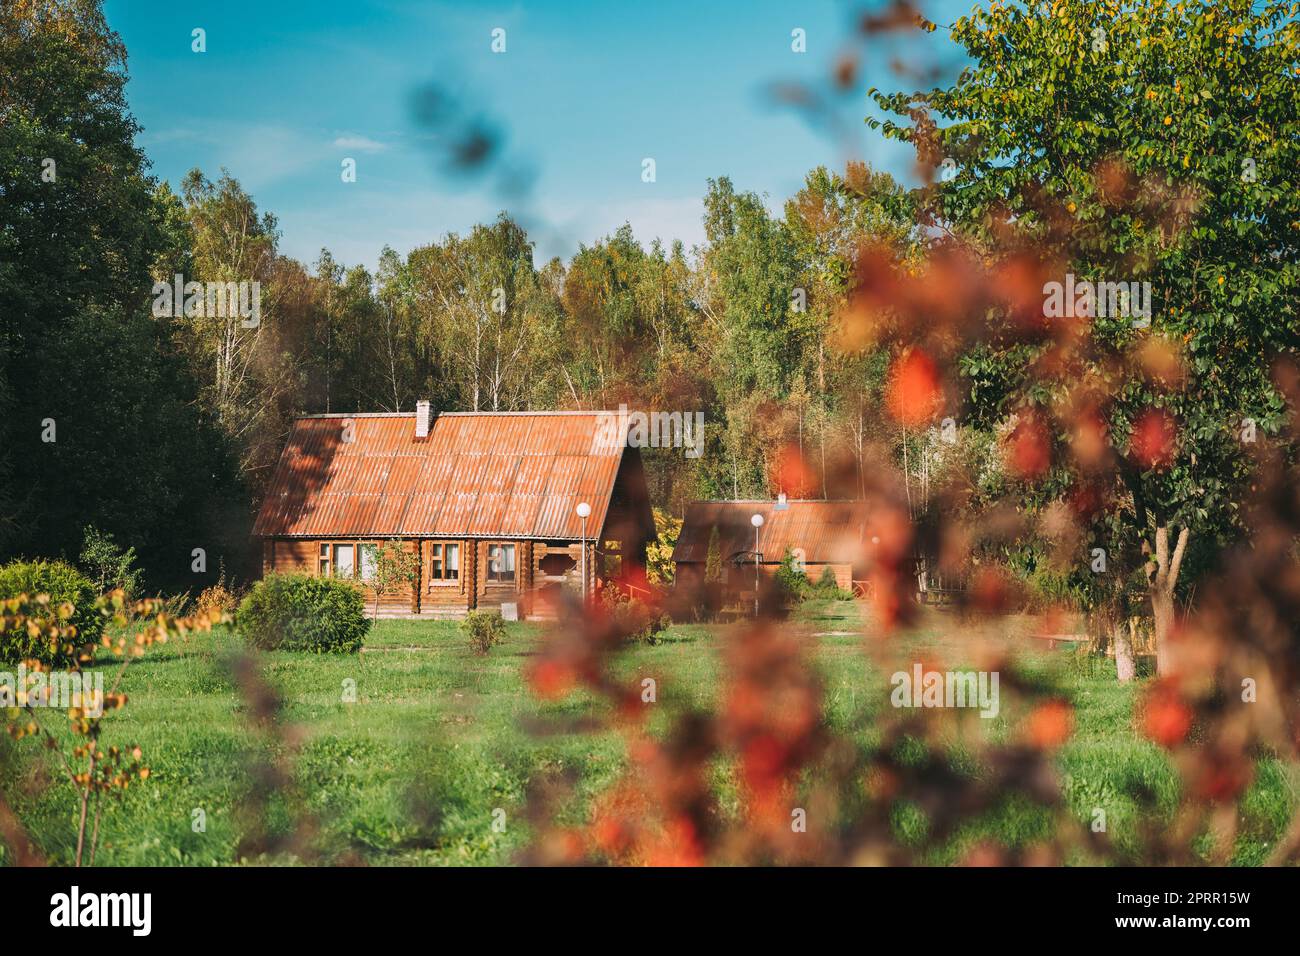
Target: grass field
{"points": [[412, 772]]}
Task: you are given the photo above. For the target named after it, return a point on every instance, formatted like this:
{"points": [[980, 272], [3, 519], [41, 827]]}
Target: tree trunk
{"points": [[1162, 578], [1162, 608], [1125, 667]]}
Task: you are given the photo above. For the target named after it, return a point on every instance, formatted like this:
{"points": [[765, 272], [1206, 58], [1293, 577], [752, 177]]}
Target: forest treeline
{"points": [[161, 431]]}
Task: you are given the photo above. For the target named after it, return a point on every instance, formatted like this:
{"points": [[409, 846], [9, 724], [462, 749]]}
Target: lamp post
{"points": [[584, 510], [757, 522]]}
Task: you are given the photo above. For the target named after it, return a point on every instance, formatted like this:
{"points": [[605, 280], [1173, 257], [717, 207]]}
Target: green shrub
{"points": [[790, 580], [110, 566], [637, 621], [62, 582], [297, 612], [829, 588], [485, 630]]}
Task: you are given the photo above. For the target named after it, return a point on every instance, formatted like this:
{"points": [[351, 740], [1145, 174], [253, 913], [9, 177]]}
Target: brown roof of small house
{"points": [[489, 474], [829, 532]]}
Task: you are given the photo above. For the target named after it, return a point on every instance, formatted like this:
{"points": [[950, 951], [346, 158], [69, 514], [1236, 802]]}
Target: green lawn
{"points": [[412, 772]]}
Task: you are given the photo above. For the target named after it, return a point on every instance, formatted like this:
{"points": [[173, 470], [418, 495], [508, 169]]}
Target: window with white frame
{"points": [[501, 563], [347, 559], [444, 562]]}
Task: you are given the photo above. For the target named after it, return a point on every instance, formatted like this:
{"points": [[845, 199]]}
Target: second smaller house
{"points": [[817, 534]]}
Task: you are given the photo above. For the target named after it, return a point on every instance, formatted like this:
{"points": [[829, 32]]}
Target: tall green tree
{"points": [[98, 424], [831, 220], [231, 242], [752, 273], [1140, 141], [490, 317]]}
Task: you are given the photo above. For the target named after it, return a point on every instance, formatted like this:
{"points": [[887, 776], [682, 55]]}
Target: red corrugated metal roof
{"points": [[828, 532], [511, 474]]}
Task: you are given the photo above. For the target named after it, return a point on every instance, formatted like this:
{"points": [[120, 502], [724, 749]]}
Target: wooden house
{"points": [[818, 535], [488, 501]]}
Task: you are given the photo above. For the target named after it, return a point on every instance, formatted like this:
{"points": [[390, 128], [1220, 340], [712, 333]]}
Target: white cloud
{"points": [[257, 154], [362, 143]]}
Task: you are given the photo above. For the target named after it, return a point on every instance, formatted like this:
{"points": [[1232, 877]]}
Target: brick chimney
{"points": [[422, 415]]}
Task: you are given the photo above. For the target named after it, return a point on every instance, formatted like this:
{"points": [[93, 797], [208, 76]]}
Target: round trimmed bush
{"points": [[62, 582], [297, 612]]}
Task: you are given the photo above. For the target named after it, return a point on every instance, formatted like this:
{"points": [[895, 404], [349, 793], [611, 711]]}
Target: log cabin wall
{"points": [[543, 569], [306, 556], [471, 586]]}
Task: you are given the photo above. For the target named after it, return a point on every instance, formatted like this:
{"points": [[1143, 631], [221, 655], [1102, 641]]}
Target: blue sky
{"points": [[583, 93]]}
